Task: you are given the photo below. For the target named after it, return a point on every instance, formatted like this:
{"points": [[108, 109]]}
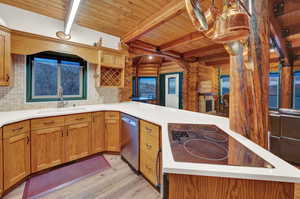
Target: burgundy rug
{"points": [[63, 176]]}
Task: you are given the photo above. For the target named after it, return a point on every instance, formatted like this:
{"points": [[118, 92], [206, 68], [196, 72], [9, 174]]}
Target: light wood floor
{"points": [[118, 182]]}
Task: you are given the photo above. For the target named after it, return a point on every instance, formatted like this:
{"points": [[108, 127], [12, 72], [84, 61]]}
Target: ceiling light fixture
{"points": [[150, 57], [71, 16]]}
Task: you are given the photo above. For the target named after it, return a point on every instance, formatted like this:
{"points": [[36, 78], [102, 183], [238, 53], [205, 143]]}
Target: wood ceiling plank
{"points": [[168, 12], [182, 41]]}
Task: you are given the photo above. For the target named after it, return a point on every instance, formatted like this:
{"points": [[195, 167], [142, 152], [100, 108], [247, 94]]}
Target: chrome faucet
{"points": [[61, 103]]}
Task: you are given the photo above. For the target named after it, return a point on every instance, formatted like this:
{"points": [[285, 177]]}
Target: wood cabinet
{"points": [[150, 152], [112, 131], [5, 56], [1, 165], [77, 141], [47, 148], [16, 153], [98, 132]]}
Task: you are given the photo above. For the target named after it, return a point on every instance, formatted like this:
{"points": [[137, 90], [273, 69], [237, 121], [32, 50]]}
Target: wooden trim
{"points": [[187, 186], [27, 43]]}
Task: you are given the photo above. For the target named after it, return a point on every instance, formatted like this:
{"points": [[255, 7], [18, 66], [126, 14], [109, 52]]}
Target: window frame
{"points": [[59, 57], [278, 90], [294, 88], [148, 77]]}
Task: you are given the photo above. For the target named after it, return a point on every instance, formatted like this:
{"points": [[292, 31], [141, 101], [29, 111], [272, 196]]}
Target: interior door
{"points": [[172, 90]]}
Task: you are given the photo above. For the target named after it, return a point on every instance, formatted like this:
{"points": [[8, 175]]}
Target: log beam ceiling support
{"points": [[194, 36], [281, 42], [171, 10]]}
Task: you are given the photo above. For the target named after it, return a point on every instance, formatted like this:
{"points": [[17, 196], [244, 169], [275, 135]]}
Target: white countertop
{"points": [[282, 172]]}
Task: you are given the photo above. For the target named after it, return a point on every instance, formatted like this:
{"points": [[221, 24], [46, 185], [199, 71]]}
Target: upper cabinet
{"points": [[111, 69], [5, 57]]}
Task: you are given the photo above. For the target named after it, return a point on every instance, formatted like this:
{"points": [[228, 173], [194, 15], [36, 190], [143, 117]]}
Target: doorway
{"points": [[171, 90]]}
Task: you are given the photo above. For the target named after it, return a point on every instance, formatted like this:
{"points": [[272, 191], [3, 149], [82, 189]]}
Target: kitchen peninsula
{"points": [[277, 176]]}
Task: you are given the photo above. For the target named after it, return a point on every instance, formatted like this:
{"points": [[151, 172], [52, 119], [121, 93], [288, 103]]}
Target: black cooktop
{"points": [[209, 144]]}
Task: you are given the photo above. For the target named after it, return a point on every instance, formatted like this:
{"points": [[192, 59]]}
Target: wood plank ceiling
{"points": [[139, 21]]}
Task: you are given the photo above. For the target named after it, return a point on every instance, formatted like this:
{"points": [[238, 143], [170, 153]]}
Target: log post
{"points": [[249, 87], [286, 86]]}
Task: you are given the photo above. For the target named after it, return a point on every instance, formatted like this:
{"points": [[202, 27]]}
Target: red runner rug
{"points": [[58, 178]]}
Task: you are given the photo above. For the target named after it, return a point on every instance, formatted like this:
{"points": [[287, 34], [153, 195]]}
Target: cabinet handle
{"points": [[157, 169], [7, 77], [18, 129], [28, 139], [67, 132], [62, 133], [149, 146], [78, 119], [148, 130], [49, 123]]}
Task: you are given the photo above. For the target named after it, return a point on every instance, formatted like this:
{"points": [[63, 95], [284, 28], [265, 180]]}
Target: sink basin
{"points": [[62, 110]]}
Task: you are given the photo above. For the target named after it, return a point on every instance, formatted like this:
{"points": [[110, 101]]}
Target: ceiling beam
{"points": [[215, 48], [279, 39], [194, 36], [151, 48], [171, 10]]}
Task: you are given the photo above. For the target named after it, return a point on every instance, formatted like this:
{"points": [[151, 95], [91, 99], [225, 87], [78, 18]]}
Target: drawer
{"points": [[74, 119], [49, 122], [149, 131], [16, 129], [150, 147], [148, 169], [112, 115]]}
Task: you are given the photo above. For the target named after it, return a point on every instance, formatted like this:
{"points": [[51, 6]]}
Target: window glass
{"points": [[133, 87], [274, 90], [297, 90], [224, 85], [47, 73], [44, 77], [71, 75], [147, 87], [172, 85]]}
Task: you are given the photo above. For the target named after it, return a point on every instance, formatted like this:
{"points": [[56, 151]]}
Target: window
{"points": [[172, 85], [51, 73], [274, 90], [147, 87], [134, 87], [296, 97], [224, 85]]}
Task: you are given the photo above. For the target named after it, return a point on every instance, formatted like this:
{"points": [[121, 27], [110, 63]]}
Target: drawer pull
{"points": [[149, 168], [149, 146], [148, 130], [49, 123], [18, 129], [7, 78], [78, 119]]}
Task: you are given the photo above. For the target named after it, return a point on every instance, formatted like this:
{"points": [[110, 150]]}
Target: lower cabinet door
{"points": [[149, 168], [112, 135], [1, 165], [47, 148], [77, 141], [16, 154], [98, 132]]}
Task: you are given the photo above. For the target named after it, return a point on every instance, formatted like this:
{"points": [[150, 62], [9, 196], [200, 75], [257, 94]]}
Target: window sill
{"points": [[56, 99]]}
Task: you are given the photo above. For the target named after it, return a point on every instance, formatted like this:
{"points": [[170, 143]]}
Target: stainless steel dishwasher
{"points": [[130, 141]]}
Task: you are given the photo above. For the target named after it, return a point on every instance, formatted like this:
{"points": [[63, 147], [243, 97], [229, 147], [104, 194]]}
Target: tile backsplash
{"points": [[14, 97]]}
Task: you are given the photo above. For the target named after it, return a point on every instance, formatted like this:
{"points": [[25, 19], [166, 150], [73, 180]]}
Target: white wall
{"points": [[23, 20]]}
